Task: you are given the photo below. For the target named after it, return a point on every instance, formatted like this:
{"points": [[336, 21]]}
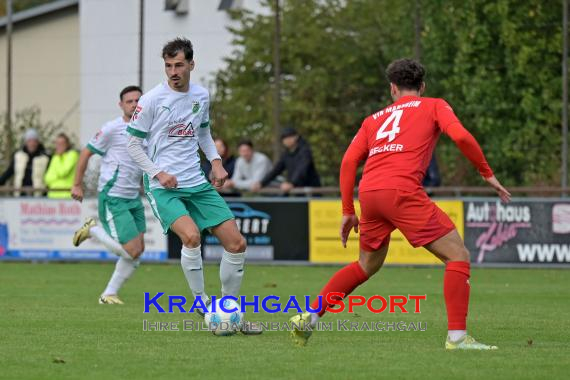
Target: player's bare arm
{"points": [[77, 189], [501, 191], [348, 223]]}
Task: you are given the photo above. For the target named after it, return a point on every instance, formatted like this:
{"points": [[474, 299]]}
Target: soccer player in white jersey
{"points": [[174, 119], [121, 212]]}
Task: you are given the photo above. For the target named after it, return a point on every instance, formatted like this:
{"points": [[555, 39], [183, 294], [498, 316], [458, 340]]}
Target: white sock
{"points": [[314, 319], [456, 335], [231, 273], [111, 244], [191, 262], [123, 271]]}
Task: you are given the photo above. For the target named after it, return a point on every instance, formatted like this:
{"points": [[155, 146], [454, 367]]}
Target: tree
{"points": [[21, 5], [332, 73], [497, 63]]}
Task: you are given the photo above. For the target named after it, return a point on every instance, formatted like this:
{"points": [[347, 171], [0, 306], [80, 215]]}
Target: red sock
{"points": [[343, 281], [456, 293]]}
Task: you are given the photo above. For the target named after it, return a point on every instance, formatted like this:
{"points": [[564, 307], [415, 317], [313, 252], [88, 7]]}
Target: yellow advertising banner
{"points": [[325, 245]]}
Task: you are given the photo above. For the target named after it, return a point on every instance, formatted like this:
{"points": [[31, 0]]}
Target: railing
{"points": [[453, 191]]}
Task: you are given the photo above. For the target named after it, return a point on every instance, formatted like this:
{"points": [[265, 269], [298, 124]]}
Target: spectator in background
{"points": [[297, 160], [250, 168], [28, 165], [228, 160], [432, 178], [61, 170]]}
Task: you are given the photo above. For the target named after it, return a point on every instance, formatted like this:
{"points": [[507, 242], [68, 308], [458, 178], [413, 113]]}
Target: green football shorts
{"points": [[122, 218], [202, 203]]}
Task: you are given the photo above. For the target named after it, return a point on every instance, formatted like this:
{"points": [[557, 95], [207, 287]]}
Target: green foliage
{"points": [[497, 63], [22, 5], [326, 48]]}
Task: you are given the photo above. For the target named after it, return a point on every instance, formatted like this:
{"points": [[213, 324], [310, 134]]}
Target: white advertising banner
{"points": [[42, 229]]}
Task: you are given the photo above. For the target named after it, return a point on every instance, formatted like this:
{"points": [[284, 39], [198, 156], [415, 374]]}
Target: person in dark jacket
{"points": [[28, 165], [297, 160], [228, 159], [432, 178]]}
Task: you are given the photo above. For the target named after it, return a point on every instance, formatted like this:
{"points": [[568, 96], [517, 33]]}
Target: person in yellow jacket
{"points": [[61, 170]]}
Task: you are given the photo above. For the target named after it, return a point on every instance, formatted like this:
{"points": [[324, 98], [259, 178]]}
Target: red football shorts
{"points": [[413, 213]]}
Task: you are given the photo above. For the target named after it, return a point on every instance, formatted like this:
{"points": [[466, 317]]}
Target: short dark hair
{"points": [[406, 73], [288, 132], [245, 142], [129, 89], [177, 45]]}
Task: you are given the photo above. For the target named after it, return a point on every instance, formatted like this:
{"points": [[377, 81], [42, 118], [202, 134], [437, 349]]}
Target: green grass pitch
{"points": [[51, 327]]}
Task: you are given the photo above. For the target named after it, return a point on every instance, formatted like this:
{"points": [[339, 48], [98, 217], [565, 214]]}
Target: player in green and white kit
{"points": [[121, 212], [174, 119]]}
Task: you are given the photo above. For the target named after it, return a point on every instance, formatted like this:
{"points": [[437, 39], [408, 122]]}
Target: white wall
{"points": [[109, 58], [109, 49]]}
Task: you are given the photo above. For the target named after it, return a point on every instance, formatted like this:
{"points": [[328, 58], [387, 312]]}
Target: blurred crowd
{"points": [[249, 172], [252, 170], [32, 167]]}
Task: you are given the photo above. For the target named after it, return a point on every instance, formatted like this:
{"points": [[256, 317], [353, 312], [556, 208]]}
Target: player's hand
{"points": [[229, 184], [166, 180], [286, 186], [495, 184], [256, 187], [348, 223], [219, 174], [77, 192]]}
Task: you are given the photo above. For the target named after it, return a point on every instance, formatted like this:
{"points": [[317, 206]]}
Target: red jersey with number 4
{"points": [[398, 142]]}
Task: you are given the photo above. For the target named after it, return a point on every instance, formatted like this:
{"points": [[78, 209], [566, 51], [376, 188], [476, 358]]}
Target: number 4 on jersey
{"points": [[391, 134]]}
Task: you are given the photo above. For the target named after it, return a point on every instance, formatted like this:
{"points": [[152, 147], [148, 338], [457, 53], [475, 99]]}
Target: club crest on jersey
{"points": [[195, 106], [181, 130]]}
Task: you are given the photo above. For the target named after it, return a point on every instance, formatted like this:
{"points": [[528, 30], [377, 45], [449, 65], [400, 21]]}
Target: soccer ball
{"points": [[222, 323]]}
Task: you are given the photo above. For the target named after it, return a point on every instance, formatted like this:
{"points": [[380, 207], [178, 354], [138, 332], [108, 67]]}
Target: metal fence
{"points": [[453, 191]]}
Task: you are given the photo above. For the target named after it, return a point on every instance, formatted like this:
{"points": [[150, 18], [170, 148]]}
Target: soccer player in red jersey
{"points": [[397, 144]]}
